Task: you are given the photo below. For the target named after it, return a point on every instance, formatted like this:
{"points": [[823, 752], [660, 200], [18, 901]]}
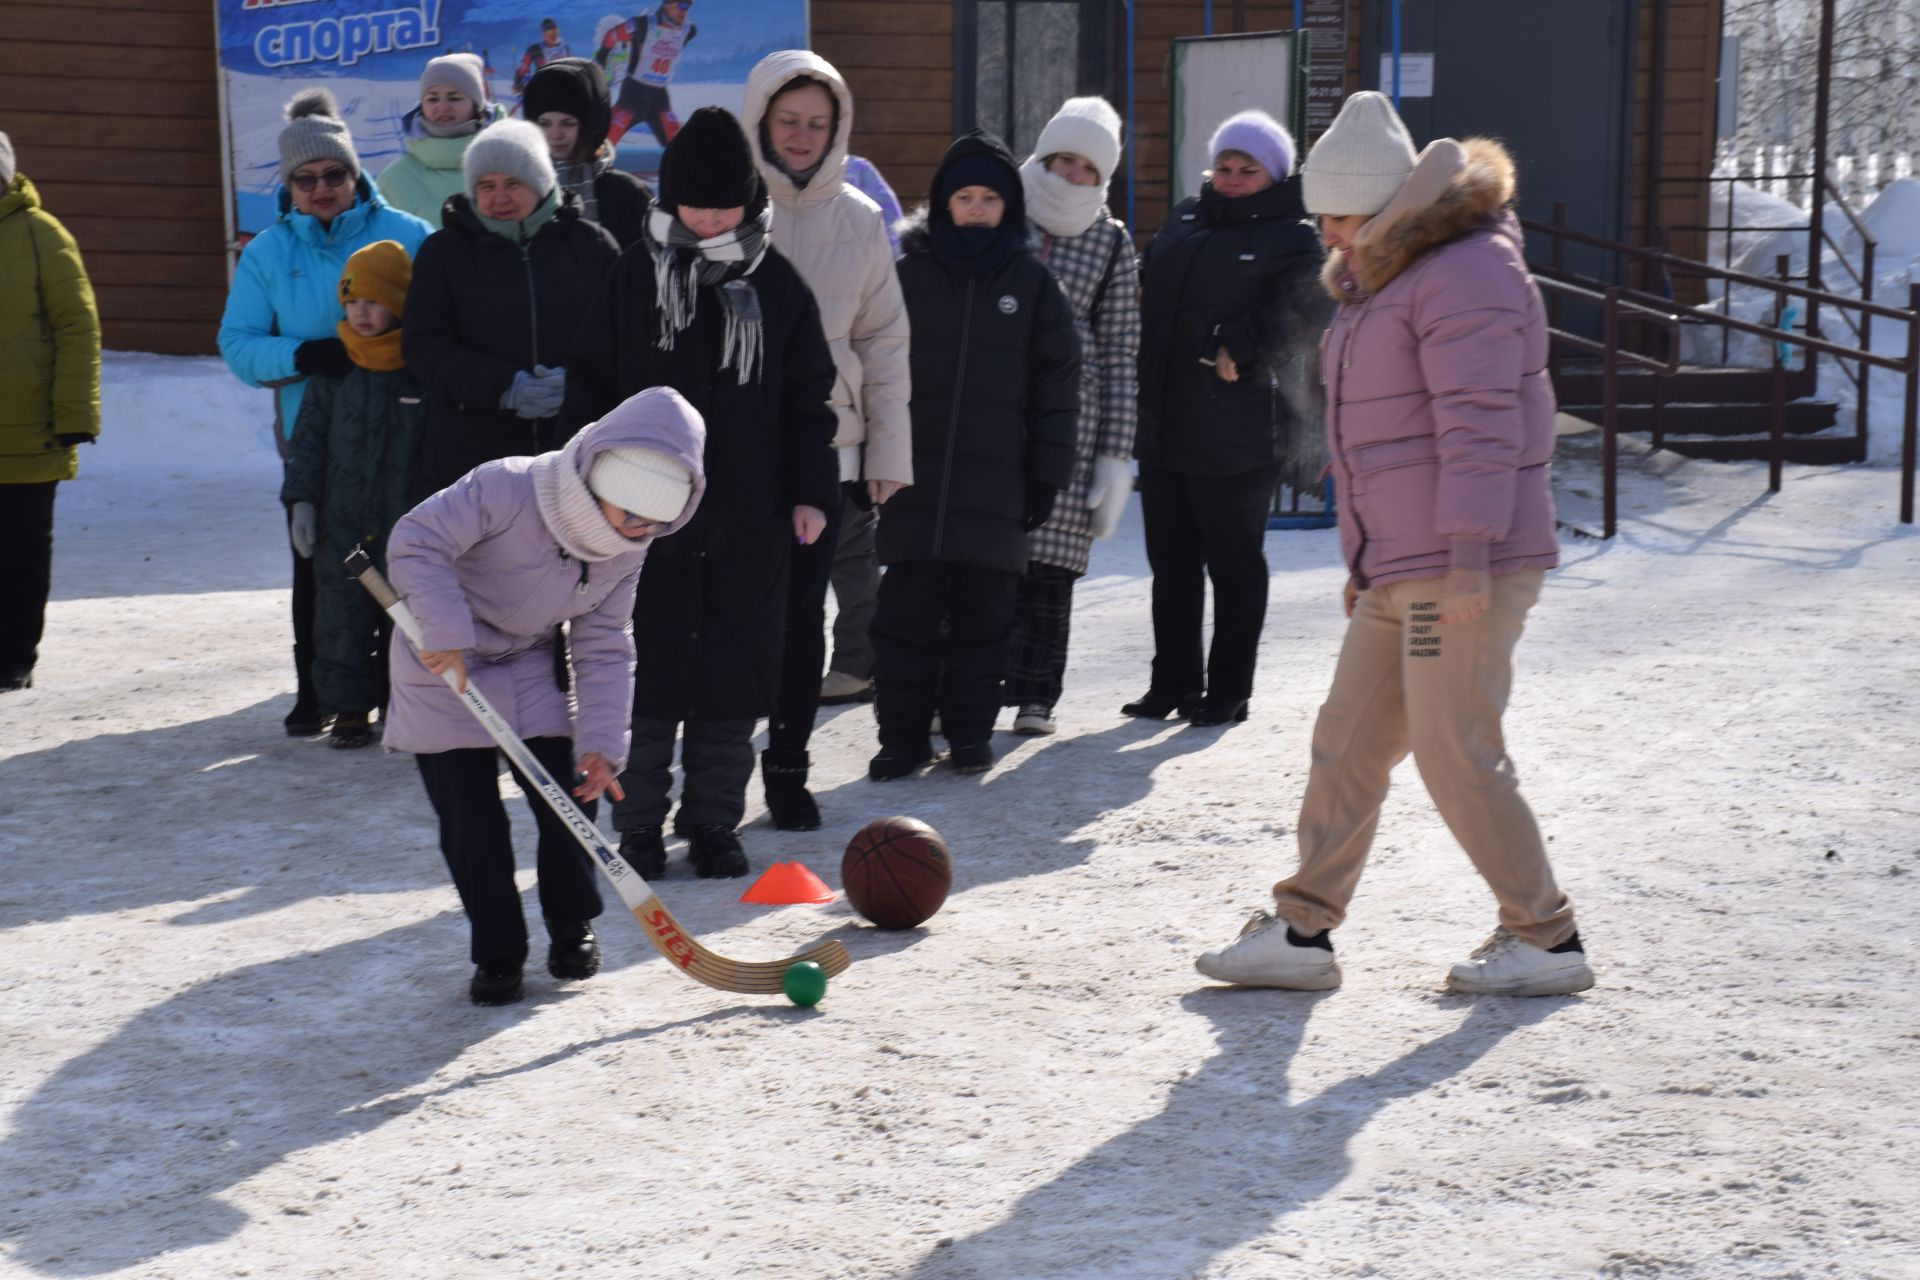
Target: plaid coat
{"points": [[1098, 272]]}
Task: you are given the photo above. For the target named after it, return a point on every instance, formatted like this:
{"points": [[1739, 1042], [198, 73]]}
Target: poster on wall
{"points": [[663, 59]]}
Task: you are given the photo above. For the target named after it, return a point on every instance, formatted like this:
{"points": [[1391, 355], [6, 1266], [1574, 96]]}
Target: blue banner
{"points": [[663, 60]]}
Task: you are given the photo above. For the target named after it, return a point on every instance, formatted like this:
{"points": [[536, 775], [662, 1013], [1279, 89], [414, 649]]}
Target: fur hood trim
{"points": [[1454, 188]]}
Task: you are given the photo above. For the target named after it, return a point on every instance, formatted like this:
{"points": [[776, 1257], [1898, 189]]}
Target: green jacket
{"points": [[420, 181], [353, 458], [49, 342]]}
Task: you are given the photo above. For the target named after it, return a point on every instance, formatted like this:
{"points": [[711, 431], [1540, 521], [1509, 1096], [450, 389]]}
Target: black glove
{"points": [[1039, 504], [855, 491], [72, 438], [322, 357]]}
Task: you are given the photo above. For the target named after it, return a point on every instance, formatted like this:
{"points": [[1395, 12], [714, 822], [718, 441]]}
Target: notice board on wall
{"points": [[1214, 77]]}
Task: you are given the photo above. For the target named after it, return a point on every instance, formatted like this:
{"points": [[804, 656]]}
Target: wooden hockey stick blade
{"points": [[744, 977]]}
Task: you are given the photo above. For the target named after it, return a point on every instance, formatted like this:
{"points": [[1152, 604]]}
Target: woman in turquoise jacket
{"points": [[279, 327]]}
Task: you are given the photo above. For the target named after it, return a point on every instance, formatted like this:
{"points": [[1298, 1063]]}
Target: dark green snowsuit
{"points": [[354, 458]]}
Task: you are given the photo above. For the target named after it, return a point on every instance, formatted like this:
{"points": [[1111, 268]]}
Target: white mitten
{"points": [[305, 530], [1107, 495]]}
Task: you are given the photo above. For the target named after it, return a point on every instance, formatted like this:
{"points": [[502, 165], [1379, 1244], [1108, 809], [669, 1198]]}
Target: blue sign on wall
{"points": [[369, 54]]}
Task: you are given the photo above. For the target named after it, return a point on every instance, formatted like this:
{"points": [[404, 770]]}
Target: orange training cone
{"points": [[785, 883]]}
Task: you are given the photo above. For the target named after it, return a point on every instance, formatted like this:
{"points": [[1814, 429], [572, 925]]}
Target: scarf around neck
{"points": [[381, 354], [1055, 205], [571, 512], [528, 227], [578, 177], [683, 263]]}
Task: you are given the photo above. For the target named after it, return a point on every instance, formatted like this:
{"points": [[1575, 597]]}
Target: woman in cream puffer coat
{"points": [[798, 113]]}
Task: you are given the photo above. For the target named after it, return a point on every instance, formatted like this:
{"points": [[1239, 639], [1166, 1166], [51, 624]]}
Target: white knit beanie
{"points": [[1087, 127], [462, 71], [646, 482], [1360, 161], [512, 147]]}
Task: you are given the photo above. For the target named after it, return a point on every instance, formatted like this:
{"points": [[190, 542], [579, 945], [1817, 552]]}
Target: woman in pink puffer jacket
{"points": [[1440, 429]]}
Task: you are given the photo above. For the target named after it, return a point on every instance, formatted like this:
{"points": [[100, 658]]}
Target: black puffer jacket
{"points": [[710, 615], [996, 398], [479, 310], [1241, 274]]}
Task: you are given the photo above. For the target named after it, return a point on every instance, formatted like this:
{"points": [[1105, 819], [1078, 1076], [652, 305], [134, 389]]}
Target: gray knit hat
{"points": [[462, 71], [1360, 161], [315, 131], [6, 162], [512, 147]]}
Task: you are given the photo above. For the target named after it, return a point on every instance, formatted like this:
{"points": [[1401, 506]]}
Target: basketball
{"points": [[896, 872]]}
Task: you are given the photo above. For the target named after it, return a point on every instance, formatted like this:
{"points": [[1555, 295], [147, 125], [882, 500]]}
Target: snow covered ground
{"points": [[232, 971]]}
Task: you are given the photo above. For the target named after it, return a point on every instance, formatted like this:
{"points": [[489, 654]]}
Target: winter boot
{"points": [[715, 852], [1269, 953], [970, 757], [14, 680], [1210, 711], [572, 949], [495, 984], [898, 762], [350, 731], [1157, 704], [1505, 965], [645, 850], [784, 775]]}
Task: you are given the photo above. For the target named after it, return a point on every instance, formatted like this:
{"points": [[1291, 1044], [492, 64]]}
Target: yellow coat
{"points": [[49, 343]]}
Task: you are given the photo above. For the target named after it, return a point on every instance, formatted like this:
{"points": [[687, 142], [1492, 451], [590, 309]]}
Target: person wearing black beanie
{"points": [[568, 99], [995, 362], [706, 305]]}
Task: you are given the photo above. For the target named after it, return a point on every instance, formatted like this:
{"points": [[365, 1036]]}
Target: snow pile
{"points": [[174, 414], [1894, 221]]}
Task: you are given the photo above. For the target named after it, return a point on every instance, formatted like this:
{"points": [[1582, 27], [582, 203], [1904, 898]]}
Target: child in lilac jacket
{"points": [[494, 566]]}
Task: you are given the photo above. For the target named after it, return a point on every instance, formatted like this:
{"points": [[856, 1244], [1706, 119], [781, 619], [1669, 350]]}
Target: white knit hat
{"points": [[512, 147], [1087, 127], [646, 482], [1360, 161]]}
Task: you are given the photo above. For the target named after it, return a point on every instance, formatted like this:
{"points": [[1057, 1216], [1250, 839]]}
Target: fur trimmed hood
{"points": [[1455, 187]]}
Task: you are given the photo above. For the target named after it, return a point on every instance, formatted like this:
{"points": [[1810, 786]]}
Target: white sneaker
{"points": [[1265, 957], [1034, 720], [1505, 965]]}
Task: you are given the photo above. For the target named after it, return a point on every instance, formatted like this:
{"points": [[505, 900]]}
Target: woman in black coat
{"points": [[1227, 298], [568, 99], [995, 359], [496, 296], [738, 334]]}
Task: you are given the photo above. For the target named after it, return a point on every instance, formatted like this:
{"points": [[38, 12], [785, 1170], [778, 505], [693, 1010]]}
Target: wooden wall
{"points": [[897, 57], [1686, 145], [113, 109]]}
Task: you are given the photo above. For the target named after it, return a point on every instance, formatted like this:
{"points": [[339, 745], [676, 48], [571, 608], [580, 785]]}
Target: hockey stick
{"points": [[762, 977]]}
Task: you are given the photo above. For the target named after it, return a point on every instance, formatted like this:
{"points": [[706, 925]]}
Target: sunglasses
{"points": [[305, 182]]}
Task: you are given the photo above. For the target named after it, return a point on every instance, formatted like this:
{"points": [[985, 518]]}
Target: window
{"points": [[1018, 60]]}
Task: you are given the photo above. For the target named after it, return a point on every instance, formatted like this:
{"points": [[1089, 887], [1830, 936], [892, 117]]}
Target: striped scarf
{"points": [[682, 263]]}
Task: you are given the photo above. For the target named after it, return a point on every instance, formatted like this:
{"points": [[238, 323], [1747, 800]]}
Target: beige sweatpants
{"points": [[1406, 682]]}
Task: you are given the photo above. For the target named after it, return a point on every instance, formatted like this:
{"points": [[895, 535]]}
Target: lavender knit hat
{"points": [[1257, 134]]}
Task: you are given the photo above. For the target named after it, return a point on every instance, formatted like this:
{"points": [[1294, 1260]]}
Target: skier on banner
{"points": [[551, 46], [639, 56]]}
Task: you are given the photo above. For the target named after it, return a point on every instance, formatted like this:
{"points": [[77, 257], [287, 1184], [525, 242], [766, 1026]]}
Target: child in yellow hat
{"points": [[350, 477]]}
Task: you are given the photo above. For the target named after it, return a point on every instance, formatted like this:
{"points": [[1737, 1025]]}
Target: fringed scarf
{"points": [[682, 263], [570, 511]]}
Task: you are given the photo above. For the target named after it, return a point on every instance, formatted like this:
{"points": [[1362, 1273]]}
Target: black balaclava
{"points": [[977, 159]]}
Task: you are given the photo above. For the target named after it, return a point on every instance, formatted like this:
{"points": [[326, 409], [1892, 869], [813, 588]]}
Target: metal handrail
{"points": [[1710, 271]]}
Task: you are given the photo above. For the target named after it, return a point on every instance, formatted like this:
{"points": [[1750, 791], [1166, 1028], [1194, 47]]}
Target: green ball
{"points": [[805, 983]]}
